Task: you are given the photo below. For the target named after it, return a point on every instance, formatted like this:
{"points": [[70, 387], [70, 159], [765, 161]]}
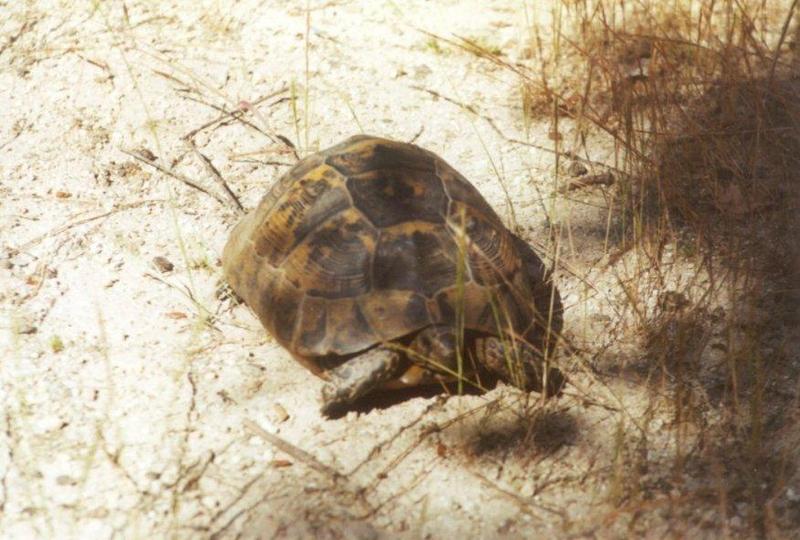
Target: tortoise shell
{"points": [[372, 240]]}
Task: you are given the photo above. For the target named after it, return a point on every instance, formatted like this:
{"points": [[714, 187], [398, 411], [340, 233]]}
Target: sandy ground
{"points": [[133, 396]]}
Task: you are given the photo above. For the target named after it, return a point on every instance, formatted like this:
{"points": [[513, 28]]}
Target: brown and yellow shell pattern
{"points": [[372, 240]]}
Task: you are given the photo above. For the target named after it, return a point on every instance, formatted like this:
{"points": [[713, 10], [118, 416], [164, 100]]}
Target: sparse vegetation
{"points": [[699, 103]]}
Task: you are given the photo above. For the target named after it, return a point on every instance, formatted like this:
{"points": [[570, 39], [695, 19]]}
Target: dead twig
{"points": [[68, 226], [172, 78], [16, 133], [230, 115], [203, 312], [243, 492], [378, 448], [238, 113], [602, 179], [437, 95], [176, 175], [416, 136], [298, 453], [524, 505], [26, 27], [784, 31], [217, 176]]}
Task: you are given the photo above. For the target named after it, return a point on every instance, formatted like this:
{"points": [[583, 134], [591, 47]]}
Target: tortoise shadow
{"points": [[537, 434], [386, 399]]}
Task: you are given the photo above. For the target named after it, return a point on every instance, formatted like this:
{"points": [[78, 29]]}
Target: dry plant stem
{"points": [[272, 136], [522, 503], [217, 177], [186, 291], [298, 453], [236, 114], [603, 179], [68, 226], [174, 174], [378, 448], [417, 135], [779, 46], [27, 26]]}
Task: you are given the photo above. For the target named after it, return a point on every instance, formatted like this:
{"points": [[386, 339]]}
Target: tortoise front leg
{"points": [[520, 365], [357, 377]]}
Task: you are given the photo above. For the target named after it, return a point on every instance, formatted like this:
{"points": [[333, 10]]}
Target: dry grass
{"points": [[700, 104]]}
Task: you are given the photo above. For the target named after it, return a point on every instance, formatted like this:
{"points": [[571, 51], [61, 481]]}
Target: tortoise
{"points": [[378, 266]]}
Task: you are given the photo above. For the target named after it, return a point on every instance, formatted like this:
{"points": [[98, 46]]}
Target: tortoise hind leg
{"points": [[522, 367], [357, 377]]}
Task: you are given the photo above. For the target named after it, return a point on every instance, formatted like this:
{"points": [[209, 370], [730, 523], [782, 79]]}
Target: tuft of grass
{"points": [[56, 344]]}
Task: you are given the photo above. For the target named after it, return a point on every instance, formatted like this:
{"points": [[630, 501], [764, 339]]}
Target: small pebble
{"points": [[278, 414], [163, 264], [422, 71], [27, 329], [64, 480], [98, 513]]}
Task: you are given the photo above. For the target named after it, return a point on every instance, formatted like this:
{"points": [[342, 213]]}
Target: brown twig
{"points": [[298, 453], [176, 175], [784, 31], [226, 114], [68, 226], [523, 504], [239, 112], [602, 179], [26, 27], [215, 174], [416, 135]]}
